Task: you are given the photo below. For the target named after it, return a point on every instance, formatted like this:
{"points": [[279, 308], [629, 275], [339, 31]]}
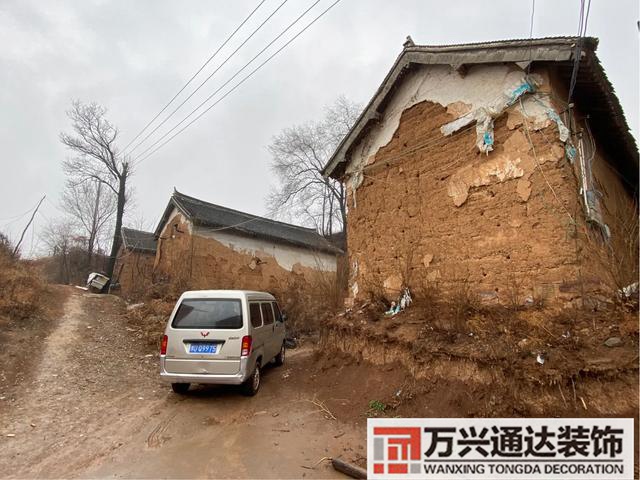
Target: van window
{"points": [[208, 313], [254, 313], [267, 313], [276, 310]]}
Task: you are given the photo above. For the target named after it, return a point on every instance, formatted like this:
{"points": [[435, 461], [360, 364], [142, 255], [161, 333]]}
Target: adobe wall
{"points": [[429, 210], [135, 271], [197, 258]]}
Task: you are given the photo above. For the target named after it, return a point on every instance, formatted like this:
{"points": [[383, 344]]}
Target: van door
{"points": [[280, 332], [205, 337], [272, 348], [259, 332]]}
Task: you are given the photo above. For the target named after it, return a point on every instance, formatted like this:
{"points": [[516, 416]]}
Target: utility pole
{"points": [[15, 250]]}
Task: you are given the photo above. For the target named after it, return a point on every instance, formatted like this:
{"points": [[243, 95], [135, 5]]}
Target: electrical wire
{"points": [[210, 76], [15, 218], [140, 159], [533, 12], [163, 136], [194, 75], [535, 157], [582, 30]]}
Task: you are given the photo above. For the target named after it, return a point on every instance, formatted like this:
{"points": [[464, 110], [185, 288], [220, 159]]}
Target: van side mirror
{"points": [[283, 316]]}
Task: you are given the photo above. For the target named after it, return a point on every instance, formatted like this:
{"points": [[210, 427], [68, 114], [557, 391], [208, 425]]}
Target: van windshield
{"points": [[208, 313]]}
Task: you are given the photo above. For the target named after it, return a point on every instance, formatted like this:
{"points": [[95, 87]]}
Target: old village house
{"points": [[134, 266], [469, 168], [205, 246]]}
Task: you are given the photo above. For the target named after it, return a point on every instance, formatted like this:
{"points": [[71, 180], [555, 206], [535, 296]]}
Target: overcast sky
{"points": [[133, 56]]}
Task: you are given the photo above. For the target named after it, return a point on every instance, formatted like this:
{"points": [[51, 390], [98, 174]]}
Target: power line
{"points": [[533, 12], [209, 77], [195, 74], [244, 79], [15, 218], [164, 135], [582, 30]]}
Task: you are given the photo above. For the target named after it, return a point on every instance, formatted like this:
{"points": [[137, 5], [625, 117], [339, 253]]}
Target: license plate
{"points": [[203, 348]]}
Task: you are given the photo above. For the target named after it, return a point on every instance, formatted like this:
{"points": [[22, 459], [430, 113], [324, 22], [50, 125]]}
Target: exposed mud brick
{"points": [[190, 259], [433, 210], [134, 271]]}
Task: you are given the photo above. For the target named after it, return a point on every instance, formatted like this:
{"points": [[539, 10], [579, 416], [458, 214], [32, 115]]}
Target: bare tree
{"points": [[299, 155], [93, 142], [59, 237], [92, 206]]}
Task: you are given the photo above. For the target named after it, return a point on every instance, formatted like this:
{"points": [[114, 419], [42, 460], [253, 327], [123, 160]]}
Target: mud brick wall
{"points": [[193, 261], [451, 217], [135, 271]]}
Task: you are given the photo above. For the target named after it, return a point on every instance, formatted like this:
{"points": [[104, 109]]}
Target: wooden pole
{"points": [[349, 469], [15, 250]]}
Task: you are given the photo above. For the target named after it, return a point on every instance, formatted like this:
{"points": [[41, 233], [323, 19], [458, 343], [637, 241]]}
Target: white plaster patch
{"points": [[497, 169], [287, 256], [481, 87]]}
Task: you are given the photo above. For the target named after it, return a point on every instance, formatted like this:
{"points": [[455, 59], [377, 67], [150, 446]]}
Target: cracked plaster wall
{"points": [[447, 215]]}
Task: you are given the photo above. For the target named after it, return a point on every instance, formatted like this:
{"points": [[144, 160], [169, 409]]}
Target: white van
{"points": [[221, 337]]}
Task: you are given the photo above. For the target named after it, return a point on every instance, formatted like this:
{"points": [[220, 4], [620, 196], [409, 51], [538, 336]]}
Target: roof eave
{"points": [[173, 203], [327, 249], [538, 50]]}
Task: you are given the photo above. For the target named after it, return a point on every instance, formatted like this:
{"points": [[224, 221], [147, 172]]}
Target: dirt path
{"points": [[94, 407]]}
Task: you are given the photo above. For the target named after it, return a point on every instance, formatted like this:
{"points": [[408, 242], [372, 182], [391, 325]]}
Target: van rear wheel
{"points": [[252, 384], [279, 360], [181, 388]]}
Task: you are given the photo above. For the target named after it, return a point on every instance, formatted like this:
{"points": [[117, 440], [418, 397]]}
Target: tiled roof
{"points": [[138, 240], [594, 94], [223, 218]]}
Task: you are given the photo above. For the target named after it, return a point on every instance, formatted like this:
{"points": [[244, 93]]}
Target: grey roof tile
{"points": [[223, 218], [137, 240]]}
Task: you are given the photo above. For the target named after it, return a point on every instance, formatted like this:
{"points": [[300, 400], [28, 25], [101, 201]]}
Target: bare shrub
{"points": [[617, 256], [514, 291], [464, 302], [330, 287], [405, 266], [376, 293], [20, 286], [6, 249], [428, 298]]}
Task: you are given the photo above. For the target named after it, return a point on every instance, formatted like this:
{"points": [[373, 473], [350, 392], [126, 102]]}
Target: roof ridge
{"points": [[136, 230], [250, 216], [502, 43]]}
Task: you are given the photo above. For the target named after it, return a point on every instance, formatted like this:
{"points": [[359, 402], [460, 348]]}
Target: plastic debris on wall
{"points": [[403, 302], [485, 116], [563, 131]]}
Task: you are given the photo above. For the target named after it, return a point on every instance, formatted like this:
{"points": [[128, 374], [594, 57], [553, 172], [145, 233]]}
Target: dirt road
{"points": [[93, 406]]}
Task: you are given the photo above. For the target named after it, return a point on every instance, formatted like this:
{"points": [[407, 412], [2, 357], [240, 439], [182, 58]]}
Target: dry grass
{"points": [[149, 320], [21, 288]]}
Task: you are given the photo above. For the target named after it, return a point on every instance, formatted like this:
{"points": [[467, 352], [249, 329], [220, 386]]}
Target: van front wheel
{"points": [[181, 388], [252, 384]]}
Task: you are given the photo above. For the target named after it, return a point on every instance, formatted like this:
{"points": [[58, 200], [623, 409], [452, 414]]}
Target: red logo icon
{"points": [[204, 334], [397, 449]]}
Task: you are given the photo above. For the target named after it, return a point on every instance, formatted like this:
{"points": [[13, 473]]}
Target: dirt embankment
{"points": [[498, 362]]}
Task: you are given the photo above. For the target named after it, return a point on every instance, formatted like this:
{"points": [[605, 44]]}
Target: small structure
{"points": [[206, 246], [96, 282], [134, 265], [502, 167]]}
